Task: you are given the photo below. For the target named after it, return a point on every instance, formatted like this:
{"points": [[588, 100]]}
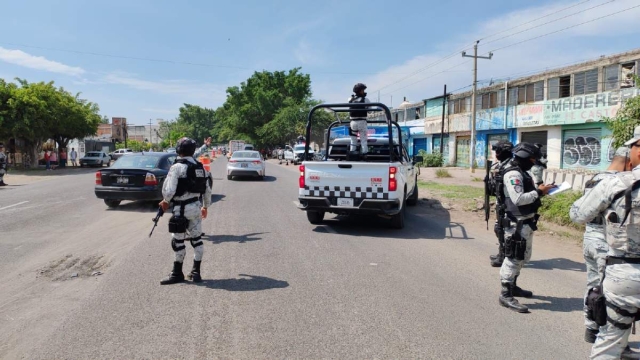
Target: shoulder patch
{"points": [[516, 182]]}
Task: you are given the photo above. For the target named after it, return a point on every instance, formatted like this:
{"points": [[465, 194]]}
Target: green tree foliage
{"points": [[627, 118], [36, 112], [134, 145], [195, 122]]}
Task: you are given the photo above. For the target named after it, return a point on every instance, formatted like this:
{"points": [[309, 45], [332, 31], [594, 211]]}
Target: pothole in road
{"points": [[69, 267]]}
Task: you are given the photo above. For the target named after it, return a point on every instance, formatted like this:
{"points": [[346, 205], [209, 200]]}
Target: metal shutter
{"points": [[581, 149], [419, 144], [535, 137], [463, 146]]}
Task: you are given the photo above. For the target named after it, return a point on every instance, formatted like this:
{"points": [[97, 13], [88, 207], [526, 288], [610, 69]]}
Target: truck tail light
{"points": [[233, 161], [393, 183], [150, 180], [301, 180], [98, 178]]}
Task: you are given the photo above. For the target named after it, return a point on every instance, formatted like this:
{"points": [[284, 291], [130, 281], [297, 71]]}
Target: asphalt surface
{"points": [[82, 282]]}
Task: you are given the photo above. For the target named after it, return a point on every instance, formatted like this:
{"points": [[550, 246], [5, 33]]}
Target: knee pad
{"points": [[196, 242], [177, 245]]}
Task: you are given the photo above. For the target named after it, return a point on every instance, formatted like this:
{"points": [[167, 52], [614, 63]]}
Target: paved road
{"points": [[275, 286]]}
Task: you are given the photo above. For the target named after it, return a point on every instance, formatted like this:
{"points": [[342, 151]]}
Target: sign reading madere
{"points": [[586, 108]]}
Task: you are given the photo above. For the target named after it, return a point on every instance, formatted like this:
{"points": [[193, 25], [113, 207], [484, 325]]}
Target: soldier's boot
{"points": [[497, 260], [507, 300], [176, 275], [590, 335], [2, 183], [627, 353], [518, 292], [194, 275]]}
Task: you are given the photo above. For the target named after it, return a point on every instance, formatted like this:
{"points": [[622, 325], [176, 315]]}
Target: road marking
{"points": [[296, 203], [10, 206]]}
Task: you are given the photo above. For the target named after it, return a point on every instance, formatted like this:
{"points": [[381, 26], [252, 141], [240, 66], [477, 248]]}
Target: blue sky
{"points": [[391, 46]]}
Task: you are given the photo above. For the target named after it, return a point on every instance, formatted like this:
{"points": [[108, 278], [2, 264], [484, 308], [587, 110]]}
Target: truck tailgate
{"points": [[346, 179]]}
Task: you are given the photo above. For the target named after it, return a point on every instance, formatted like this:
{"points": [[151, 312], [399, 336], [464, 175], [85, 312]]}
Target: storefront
{"points": [[445, 148], [463, 147], [586, 146]]}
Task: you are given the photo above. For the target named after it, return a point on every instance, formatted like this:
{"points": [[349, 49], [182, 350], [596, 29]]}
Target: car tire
{"points": [[315, 217], [112, 203], [397, 220], [413, 199], [229, 177]]}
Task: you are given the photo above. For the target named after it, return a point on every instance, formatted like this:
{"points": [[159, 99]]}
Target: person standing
{"points": [[359, 119], [53, 158], [47, 159], [503, 155], [63, 158], [3, 165], [594, 245], [522, 200], [537, 171], [187, 192], [74, 156]]}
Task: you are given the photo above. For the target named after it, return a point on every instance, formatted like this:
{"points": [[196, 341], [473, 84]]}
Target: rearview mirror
{"points": [[417, 159]]}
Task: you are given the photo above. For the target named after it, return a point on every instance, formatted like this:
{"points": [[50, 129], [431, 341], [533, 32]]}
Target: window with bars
{"points": [[628, 70], [559, 87], [611, 77], [512, 97], [585, 82], [500, 96]]}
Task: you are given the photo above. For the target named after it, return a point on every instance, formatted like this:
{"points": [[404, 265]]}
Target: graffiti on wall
{"points": [[583, 151]]}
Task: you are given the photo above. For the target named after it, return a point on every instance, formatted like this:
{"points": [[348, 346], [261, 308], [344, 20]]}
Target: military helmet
{"points": [[502, 145], [359, 86], [527, 150], [186, 146]]}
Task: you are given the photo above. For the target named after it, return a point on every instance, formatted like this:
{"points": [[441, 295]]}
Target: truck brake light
{"points": [[393, 183], [98, 178], [301, 180]]}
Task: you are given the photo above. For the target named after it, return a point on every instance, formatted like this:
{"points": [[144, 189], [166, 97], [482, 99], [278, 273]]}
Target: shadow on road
{"points": [[41, 171], [551, 303], [557, 263], [218, 239], [217, 197], [247, 283], [267, 178], [427, 220], [136, 206]]}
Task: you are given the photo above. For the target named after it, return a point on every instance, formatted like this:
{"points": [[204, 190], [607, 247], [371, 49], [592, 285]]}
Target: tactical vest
{"points": [[588, 186], [620, 240], [497, 183], [523, 210], [358, 113], [196, 180]]}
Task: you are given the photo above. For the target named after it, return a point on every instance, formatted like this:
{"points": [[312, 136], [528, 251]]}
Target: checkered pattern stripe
{"points": [[347, 192]]}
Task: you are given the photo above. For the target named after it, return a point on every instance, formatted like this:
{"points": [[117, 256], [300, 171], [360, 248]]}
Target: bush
{"points": [[442, 173], [556, 208], [431, 160]]}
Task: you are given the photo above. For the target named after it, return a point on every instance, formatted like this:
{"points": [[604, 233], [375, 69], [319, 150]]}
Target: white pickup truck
{"points": [[382, 184], [298, 153]]}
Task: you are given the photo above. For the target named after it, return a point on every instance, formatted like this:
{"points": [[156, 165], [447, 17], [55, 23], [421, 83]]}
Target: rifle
{"points": [[487, 193], [155, 219]]}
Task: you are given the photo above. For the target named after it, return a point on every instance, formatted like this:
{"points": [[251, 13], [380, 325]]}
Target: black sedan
{"points": [[134, 177]]}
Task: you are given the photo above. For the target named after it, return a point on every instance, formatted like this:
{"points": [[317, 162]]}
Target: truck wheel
{"points": [[397, 221], [315, 217], [229, 177], [413, 199], [112, 203]]}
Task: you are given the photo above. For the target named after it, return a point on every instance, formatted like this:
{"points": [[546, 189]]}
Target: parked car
{"points": [[118, 153], [248, 147], [95, 158], [138, 176], [171, 150], [246, 163]]}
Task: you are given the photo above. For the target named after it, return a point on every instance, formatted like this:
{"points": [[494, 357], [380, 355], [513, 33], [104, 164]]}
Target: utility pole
{"points": [[472, 150], [444, 103], [150, 142]]}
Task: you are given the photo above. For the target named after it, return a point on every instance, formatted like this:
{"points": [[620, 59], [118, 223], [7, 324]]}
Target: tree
{"points": [[195, 121], [104, 119], [76, 118], [626, 120]]}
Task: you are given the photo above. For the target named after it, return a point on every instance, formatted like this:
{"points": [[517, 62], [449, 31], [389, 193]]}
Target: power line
{"points": [[567, 28], [548, 22], [425, 78], [534, 20]]}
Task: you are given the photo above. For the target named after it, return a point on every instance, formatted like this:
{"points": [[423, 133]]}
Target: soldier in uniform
{"points": [[3, 165], [503, 155], [187, 192], [522, 200], [359, 119], [594, 245], [537, 171]]}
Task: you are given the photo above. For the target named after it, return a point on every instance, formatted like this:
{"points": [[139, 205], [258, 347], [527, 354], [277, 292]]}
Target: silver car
{"points": [[95, 158], [246, 163]]}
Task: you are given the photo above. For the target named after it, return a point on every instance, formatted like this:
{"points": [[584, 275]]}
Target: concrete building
{"points": [[562, 109]]}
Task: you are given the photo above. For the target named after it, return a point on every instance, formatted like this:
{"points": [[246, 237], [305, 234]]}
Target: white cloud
{"points": [[307, 54], [189, 90], [552, 51], [21, 58]]}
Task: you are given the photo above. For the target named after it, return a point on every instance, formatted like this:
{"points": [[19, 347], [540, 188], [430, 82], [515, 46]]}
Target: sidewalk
{"points": [[459, 176]]}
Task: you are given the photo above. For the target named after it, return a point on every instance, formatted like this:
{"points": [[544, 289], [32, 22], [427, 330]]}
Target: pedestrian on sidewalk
{"points": [[63, 158], [594, 245], [47, 159], [74, 156], [3, 165], [54, 159]]}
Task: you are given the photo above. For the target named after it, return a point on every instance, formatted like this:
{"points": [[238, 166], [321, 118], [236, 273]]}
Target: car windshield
{"points": [[136, 162], [299, 148], [246, 155], [93, 154]]}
